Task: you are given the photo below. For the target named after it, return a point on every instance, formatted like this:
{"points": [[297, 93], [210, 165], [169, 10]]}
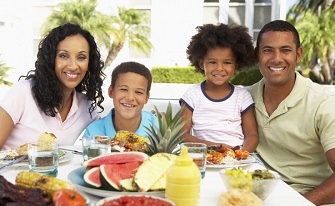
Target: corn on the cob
{"points": [[40, 181]]}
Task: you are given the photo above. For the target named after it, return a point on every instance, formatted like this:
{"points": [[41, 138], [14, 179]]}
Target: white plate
{"points": [[66, 157], [76, 178], [106, 199], [239, 163]]}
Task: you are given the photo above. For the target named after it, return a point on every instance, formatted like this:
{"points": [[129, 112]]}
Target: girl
{"points": [[217, 111]]}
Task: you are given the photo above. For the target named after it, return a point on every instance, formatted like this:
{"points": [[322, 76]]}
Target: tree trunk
{"points": [[112, 53]]}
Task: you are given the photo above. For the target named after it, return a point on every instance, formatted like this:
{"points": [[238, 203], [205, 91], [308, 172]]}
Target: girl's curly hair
{"points": [[232, 36], [46, 86]]}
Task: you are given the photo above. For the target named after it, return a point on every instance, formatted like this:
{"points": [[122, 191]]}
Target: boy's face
{"points": [[129, 95]]}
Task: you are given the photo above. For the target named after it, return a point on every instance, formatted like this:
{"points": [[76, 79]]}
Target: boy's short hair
{"points": [[133, 67]]}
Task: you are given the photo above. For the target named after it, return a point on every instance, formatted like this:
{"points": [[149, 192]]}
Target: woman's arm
{"points": [[7, 125], [249, 127]]}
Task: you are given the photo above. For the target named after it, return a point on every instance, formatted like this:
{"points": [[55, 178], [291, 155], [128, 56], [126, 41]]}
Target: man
{"points": [[296, 117]]}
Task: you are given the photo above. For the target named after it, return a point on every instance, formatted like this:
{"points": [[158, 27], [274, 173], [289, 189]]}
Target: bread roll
{"points": [[46, 137], [239, 197], [22, 150]]}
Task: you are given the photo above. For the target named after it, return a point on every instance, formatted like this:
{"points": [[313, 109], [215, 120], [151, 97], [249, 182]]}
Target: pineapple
{"points": [[149, 174], [165, 137]]}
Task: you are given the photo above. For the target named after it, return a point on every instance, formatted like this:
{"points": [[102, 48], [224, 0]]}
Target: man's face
{"points": [[278, 56]]}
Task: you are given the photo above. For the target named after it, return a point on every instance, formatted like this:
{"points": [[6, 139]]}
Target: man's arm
{"points": [[325, 193]]}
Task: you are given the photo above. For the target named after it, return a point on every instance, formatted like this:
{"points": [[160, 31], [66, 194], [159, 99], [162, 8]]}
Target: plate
{"points": [[239, 163], [76, 178], [66, 157]]}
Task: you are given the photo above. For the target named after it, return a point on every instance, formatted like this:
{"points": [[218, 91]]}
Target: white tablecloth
{"points": [[211, 185]]}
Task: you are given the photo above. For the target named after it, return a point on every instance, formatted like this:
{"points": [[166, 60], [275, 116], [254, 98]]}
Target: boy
{"points": [[130, 91]]}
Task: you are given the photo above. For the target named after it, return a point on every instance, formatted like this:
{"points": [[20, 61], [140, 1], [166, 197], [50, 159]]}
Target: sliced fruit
{"points": [[160, 184], [116, 158], [111, 174], [128, 185], [152, 169], [92, 177]]}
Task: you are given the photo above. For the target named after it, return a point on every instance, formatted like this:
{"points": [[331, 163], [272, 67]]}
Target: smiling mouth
{"points": [[128, 105], [71, 75], [276, 69]]}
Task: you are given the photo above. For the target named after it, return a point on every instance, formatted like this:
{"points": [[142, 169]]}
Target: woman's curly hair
{"points": [[46, 86], [232, 36]]}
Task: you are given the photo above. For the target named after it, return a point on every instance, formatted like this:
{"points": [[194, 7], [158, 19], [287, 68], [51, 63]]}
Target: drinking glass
{"points": [[94, 146], [43, 158], [197, 151]]}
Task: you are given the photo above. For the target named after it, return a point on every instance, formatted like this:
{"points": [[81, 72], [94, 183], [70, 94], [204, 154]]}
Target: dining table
{"points": [[210, 190]]}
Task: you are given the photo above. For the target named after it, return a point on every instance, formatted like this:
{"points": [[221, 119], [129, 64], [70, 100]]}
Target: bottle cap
{"points": [[183, 158]]}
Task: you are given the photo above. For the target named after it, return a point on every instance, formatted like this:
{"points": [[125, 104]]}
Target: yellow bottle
{"points": [[183, 181]]}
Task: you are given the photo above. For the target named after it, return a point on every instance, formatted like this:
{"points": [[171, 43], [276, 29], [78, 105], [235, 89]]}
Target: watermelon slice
{"points": [[92, 177], [116, 158], [111, 174]]}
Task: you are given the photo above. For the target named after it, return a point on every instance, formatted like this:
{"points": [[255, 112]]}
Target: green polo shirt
{"points": [[294, 139]]}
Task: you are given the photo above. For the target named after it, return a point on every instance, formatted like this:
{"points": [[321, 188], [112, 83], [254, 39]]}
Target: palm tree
{"points": [[315, 22], [4, 74], [131, 25], [110, 31]]}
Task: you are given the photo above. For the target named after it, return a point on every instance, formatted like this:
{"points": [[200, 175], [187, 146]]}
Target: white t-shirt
{"points": [[218, 120], [30, 121]]}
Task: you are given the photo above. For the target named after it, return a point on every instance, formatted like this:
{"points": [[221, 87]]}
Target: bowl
{"points": [[138, 199], [262, 188]]}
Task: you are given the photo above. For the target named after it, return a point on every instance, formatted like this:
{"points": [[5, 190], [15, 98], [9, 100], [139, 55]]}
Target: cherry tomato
{"points": [[65, 197]]}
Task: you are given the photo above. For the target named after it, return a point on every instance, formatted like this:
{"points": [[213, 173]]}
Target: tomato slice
{"points": [[65, 197]]}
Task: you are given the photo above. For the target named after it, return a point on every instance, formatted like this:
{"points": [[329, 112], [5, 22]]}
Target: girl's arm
{"points": [[7, 125], [249, 127]]}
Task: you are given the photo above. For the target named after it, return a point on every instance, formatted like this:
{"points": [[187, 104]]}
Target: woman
{"points": [[60, 96]]}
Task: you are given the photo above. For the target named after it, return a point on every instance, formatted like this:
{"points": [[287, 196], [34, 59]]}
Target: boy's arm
{"points": [[249, 127]]}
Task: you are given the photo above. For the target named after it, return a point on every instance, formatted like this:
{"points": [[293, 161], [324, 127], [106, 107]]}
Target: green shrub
{"points": [[187, 75]]}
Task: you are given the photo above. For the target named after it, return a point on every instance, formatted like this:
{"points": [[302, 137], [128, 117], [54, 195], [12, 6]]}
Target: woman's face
{"points": [[71, 62]]}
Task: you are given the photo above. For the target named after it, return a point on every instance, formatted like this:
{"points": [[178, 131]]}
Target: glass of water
{"points": [[43, 158], [94, 146], [198, 152]]}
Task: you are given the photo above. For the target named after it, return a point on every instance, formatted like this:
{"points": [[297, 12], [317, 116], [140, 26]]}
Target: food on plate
{"points": [[225, 155], [260, 182], [67, 197], [112, 174], [239, 197], [11, 194], [252, 175], [125, 141], [135, 201], [242, 154], [40, 181], [116, 158], [149, 173], [92, 176], [47, 137]]}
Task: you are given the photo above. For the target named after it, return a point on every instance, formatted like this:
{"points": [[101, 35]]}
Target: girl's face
{"points": [[129, 95], [71, 62], [219, 65]]}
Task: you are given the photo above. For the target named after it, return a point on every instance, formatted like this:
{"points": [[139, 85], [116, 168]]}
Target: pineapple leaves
{"points": [[165, 136]]}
